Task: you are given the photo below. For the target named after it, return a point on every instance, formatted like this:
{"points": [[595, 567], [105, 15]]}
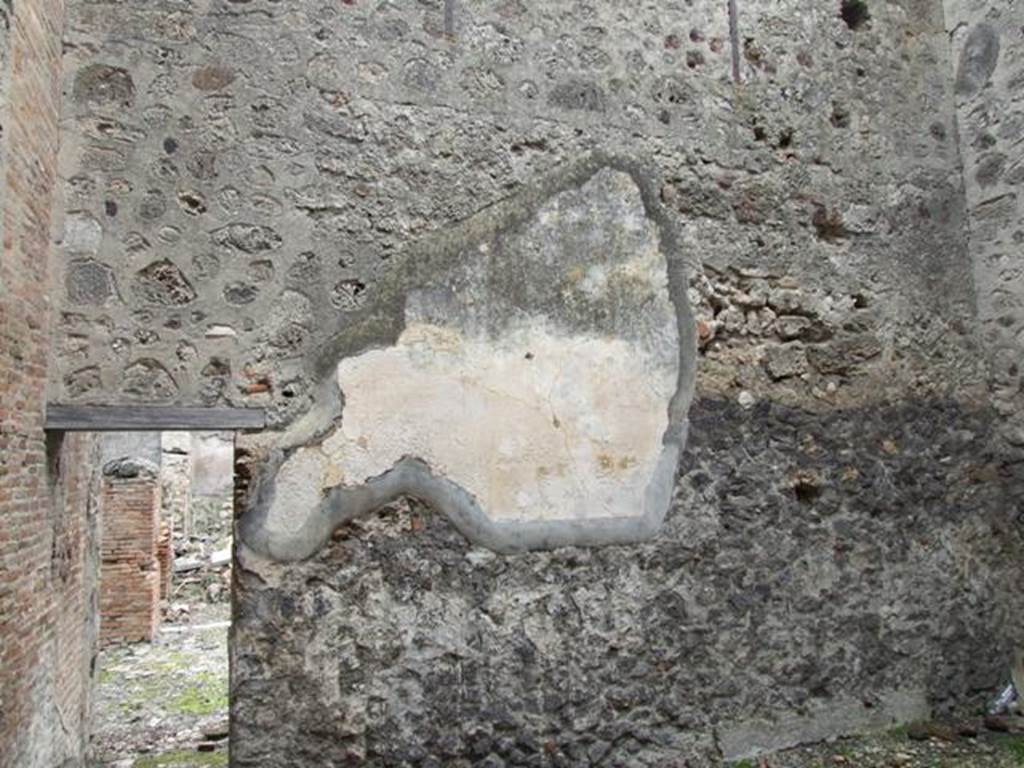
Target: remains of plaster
{"points": [[536, 391]]}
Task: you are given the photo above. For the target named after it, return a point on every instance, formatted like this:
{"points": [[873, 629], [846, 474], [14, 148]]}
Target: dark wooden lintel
{"points": [[143, 418]]}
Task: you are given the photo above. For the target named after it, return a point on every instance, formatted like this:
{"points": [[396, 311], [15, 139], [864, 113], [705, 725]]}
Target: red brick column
{"points": [[130, 571]]}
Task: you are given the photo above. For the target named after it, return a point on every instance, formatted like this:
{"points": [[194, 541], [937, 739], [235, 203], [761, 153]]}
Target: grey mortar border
{"points": [[412, 476]]}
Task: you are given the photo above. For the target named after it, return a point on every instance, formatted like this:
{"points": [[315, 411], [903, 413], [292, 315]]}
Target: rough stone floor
{"points": [[165, 704]]}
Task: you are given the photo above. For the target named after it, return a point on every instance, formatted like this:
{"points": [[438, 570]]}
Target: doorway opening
{"points": [[164, 510]]}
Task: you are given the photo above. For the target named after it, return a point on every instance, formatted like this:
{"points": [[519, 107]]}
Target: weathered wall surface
{"points": [[244, 180], [256, 193], [48, 537], [988, 44], [819, 574], [175, 480]]}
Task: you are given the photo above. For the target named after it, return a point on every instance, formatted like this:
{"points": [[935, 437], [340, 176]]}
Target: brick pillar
{"points": [[130, 574]]}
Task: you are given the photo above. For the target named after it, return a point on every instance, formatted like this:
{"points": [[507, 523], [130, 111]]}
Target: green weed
{"points": [[183, 759]]}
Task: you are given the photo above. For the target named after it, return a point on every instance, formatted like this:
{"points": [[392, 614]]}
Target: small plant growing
{"points": [[207, 696], [183, 759], [1016, 748]]}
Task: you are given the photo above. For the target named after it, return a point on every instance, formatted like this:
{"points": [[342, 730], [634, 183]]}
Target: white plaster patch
{"points": [[536, 426], [540, 387]]}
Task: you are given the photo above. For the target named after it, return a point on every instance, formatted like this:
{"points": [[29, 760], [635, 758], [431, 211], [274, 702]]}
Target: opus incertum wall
{"points": [[990, 110], [536, 391], [441, 243]]}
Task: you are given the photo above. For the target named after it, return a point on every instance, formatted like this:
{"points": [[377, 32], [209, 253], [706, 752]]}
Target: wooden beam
{"points": [[141, 418]]}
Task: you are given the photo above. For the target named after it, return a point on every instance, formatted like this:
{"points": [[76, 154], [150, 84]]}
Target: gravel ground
{"points": [[165, 705], [157, 705], [930, 745]]}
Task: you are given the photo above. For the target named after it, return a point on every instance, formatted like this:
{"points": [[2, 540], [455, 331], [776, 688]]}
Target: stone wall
{"points": [[842, 521], [48, 536], [245, 181], [131, 575], [165, 560], [987, 42], [819, 573], [314, 207]]}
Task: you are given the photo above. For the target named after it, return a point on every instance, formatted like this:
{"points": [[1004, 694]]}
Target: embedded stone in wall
{"points": [[978, 59], [104, 85], [82, 381], [213, 77], [82, 234], [148, 379], [163, 283], [89, 282], [248, 238], [536, 393]]}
